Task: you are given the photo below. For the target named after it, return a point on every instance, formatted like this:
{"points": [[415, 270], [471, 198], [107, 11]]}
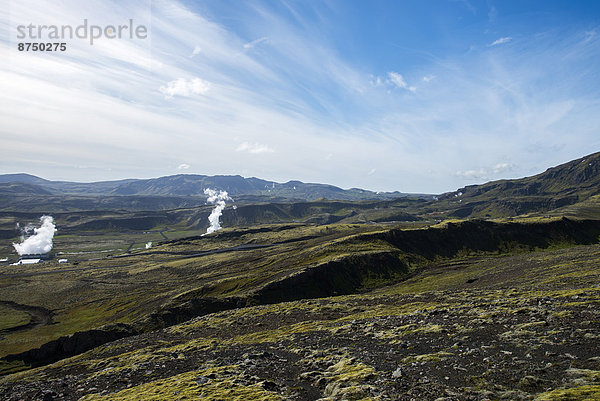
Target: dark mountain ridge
{"points": [[569, 178], [566, 184], [574, 185], [195, 184]]}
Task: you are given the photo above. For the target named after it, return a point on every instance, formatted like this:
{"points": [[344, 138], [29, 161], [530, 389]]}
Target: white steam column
{"points": [[41, 240], [218, 199]]}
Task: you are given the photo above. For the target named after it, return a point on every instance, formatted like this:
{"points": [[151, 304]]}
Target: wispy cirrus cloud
{"points": [[330, 117], [255, 42], [254, 148], [500, 41]]}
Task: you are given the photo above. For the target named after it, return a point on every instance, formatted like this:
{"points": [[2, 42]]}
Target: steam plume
{"points": [[40, 241], [217, 198], [148, 245]]}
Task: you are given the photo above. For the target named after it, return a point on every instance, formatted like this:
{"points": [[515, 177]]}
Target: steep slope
{"points": [[563, 185]]}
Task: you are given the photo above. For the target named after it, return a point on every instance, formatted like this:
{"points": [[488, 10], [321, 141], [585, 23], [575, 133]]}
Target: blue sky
{"points": [[414, 96]]}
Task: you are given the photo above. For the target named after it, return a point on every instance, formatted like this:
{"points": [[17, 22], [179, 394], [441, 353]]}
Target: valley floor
{"points": [[514, 327]]}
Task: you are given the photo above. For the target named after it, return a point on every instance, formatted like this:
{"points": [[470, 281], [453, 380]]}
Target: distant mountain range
{"points": [[191, 185], [570, 189]]}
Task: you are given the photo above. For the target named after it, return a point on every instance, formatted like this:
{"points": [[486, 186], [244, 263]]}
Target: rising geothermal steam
{"points": [[40, 241], [218, 199]]}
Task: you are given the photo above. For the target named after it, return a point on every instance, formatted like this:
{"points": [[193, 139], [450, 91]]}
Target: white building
{"points": [[27, 262]]}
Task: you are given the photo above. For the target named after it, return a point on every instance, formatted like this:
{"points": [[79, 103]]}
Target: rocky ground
{"points": [[513, 327]]}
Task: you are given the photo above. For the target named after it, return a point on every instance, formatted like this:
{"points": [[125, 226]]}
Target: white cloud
{"points": [[428, 78], [372, 171], [472, 174], [254, 148], [502, 167], [398, 80], [183, 166], [500, 41], [197, 50], [183, 87], [484, 173]]}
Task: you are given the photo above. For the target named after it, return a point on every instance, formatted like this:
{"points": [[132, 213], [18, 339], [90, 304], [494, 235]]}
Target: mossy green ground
{"points": [[10, 318], [581, 393], [526, 327], [95, 292], [92, 293], [189, 387]]}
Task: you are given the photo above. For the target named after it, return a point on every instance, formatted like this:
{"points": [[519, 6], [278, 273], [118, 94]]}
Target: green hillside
{"points": [[560, 186]]}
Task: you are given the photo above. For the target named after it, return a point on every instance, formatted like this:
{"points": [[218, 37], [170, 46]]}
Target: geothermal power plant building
{"points": [[33, 258]]}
